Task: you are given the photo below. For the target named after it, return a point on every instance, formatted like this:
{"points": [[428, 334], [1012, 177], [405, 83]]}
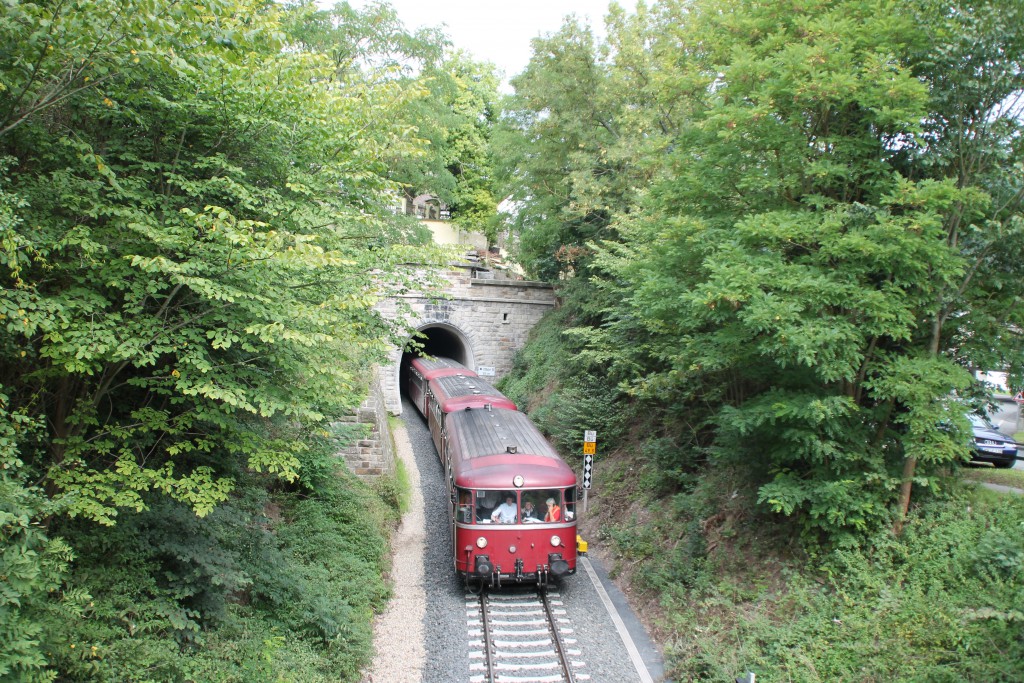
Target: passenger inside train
{"points": [[554, 511], [507, 512]]}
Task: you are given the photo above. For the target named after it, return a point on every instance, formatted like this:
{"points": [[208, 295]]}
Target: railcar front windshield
{"points": [[529, 506]]}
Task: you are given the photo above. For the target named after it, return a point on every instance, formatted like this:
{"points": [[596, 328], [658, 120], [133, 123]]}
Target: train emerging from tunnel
{"points": [[512, 499]]}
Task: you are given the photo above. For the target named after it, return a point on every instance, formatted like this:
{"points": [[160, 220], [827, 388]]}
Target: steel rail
{"points": [[556, 638], [485, 621]]}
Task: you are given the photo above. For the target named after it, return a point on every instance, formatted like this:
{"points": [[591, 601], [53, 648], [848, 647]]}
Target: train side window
{"points": [[570, 504], [465, 502], [550, 504]]}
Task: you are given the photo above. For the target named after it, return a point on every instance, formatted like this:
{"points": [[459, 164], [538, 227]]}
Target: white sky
{"points": [[498, 31]]}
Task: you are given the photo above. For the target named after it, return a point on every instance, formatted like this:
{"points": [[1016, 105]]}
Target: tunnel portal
{"points": [[436, 339], [481, 323], [443, 340]]}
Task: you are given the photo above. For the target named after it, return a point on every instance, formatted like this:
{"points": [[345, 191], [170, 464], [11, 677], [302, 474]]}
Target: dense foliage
{"points": [[735, 593], [447, 103], [729, 586], [195, 226], [457, 118], [785, 234], [269, 586], [800, 228]]}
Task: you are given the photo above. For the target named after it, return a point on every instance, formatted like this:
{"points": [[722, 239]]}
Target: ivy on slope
{"points": [[270, 586]]}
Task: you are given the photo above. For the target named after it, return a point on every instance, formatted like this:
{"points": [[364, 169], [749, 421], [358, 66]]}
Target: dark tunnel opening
{"points": [[434, 341]]}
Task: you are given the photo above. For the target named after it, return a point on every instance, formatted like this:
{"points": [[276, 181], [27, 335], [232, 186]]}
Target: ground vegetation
{"points": [[1013, 478]]}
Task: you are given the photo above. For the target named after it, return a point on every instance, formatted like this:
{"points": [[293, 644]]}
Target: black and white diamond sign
{"points": [[588, 470]]}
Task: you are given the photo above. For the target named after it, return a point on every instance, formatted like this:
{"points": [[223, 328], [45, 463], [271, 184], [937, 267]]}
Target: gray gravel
{"points": [[444, 631]]}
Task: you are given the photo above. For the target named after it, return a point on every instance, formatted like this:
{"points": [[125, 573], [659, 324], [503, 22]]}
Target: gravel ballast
{"points": [[423, 635]]}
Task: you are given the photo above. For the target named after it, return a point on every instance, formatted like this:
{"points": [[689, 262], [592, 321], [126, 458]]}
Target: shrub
{"points": [[34, 594], [669, 467], [273, 586], [943, 603]]}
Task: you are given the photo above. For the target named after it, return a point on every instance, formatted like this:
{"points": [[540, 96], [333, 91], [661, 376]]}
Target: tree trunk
{"points": [[909, 465]]}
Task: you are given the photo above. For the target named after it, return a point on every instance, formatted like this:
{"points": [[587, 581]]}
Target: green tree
{"points": [[447, 102], [971, 144], [792, 265], [194, 230], [468, 96], [809, 228], [584, 134], [195, 243], [552, 129]]}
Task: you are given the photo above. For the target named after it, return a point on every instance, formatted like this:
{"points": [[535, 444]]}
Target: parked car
{"points": [[990, 445]]}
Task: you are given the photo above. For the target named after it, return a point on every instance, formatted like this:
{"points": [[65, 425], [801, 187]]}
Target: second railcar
{"points": [[422, 370], [454, 393]]}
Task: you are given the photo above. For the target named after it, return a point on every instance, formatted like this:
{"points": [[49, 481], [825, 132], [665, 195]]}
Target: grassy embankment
{"points": [[1013, 478], [728, 589]]}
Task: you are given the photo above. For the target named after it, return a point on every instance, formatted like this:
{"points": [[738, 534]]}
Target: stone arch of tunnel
{"points": [[436, 339], [481, 322]]}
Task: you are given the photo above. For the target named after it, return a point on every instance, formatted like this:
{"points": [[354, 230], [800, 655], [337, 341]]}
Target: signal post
{"points": [[589, 449]]}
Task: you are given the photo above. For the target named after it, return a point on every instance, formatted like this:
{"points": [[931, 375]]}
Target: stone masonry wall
{"points": [[492, 317], [373, 455]]}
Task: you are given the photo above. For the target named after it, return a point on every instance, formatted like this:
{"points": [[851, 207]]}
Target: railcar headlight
{"points": [[481, 542], [512, 549], [556, 541], [518, 481]]}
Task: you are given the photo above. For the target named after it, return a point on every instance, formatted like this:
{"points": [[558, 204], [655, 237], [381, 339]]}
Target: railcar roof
{"points": [[458, 392], [440, 366], [482, 440]]}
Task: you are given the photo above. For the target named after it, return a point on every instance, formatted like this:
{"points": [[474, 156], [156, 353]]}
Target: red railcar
{"points": [[422, 370], [512, 498]]}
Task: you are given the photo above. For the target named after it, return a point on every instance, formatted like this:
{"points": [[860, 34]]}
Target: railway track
{"points": [[521, 637]]}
